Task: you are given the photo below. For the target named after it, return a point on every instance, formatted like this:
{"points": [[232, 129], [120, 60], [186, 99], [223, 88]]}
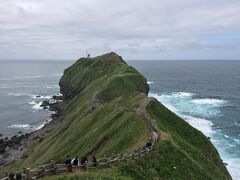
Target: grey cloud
{"points": [[137, 29]]}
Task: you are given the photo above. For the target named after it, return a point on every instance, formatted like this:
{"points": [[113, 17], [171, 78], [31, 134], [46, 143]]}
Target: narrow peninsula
{"points": [[106, 113]]}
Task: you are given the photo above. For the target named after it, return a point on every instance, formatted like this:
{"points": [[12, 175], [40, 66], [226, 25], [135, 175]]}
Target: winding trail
{"points": [[151, 123], [104, 162]]}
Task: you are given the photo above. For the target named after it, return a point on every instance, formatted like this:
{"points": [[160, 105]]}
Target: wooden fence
{"points": [[53, 169], [105, 162]]}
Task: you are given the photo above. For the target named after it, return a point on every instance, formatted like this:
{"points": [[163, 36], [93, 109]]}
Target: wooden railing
{"points": [[105, 162], [53, 169]]}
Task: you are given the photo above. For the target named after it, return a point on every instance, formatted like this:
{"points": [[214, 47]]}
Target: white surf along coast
{"points": [[150, 82], [28, 126], [35, 105], [198, 113]]}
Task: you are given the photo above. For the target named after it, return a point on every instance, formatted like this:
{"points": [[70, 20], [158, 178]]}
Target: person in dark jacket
{"points": [[11, 176], [149, 144], [75, 161], [84, 160], [84, 163], [69, 164], [18, 176], [94, 161], [68, 161]]}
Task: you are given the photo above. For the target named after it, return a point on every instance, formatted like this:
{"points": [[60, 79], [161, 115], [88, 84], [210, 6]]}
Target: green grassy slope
{"points": [[112, 126], [185, 154]]}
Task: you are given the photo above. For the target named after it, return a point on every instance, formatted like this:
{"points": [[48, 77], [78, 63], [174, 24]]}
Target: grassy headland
{"points": [[101, 96]]}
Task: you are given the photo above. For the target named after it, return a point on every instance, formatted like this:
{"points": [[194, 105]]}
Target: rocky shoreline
{"points": [[14, 148]]}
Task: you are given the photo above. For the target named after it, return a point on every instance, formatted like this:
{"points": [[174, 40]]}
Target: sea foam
{"points": [[28, 126], [36, 105], [213, 102], [20, 126], [16, 94], [150, 82], [198, 112], [40, 97], [203, 125]]}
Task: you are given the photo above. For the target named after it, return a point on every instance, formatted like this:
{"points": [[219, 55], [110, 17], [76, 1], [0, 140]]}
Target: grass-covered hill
{"points": [[103, 102]]}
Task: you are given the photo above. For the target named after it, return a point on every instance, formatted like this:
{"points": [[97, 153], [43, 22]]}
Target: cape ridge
{"points": [[106, 111]]}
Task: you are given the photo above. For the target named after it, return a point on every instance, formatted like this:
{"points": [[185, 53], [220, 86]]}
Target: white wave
{"points": [[27, 126], [203, 125], [184, 103], [228, 148], [168, 105], [226, 136], [150, 82], [40, 97], [28, 77], [20, 126], [52, 87], [4, 86], [60, 74], [236, 123], [233, 167], [214, 102], [36, 105], [182, 94], [191, 110], [40, 126], [16, 94]]}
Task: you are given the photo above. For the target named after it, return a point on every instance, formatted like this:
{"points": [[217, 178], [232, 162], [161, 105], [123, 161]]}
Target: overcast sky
{"points": [[136, 29]]}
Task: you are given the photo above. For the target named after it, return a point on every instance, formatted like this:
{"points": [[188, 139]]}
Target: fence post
{"points": [[55, 168], [108, 163], [70, 167], [28, 173], [6, 173]]}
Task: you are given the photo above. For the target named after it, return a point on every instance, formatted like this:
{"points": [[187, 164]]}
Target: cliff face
{"points": [[105, 110]]}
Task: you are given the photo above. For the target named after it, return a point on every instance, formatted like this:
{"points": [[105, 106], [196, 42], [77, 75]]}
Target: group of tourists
{"points": [[77, 162], [72, 165]]}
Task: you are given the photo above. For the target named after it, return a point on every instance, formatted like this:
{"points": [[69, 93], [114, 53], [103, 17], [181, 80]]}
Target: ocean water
{"points": [[206, 94], [20, 84]]}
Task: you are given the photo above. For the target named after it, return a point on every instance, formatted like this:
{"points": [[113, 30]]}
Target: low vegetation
{"points": [[101, 95]]}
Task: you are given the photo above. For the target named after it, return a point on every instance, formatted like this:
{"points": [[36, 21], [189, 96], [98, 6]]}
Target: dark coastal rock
{"points": [[38, 96], [68, 91], [17, 143], [7, 144], [182, 151], [226, 164], [2, 146], [55, 116], [58, 97], [44, 104]]}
